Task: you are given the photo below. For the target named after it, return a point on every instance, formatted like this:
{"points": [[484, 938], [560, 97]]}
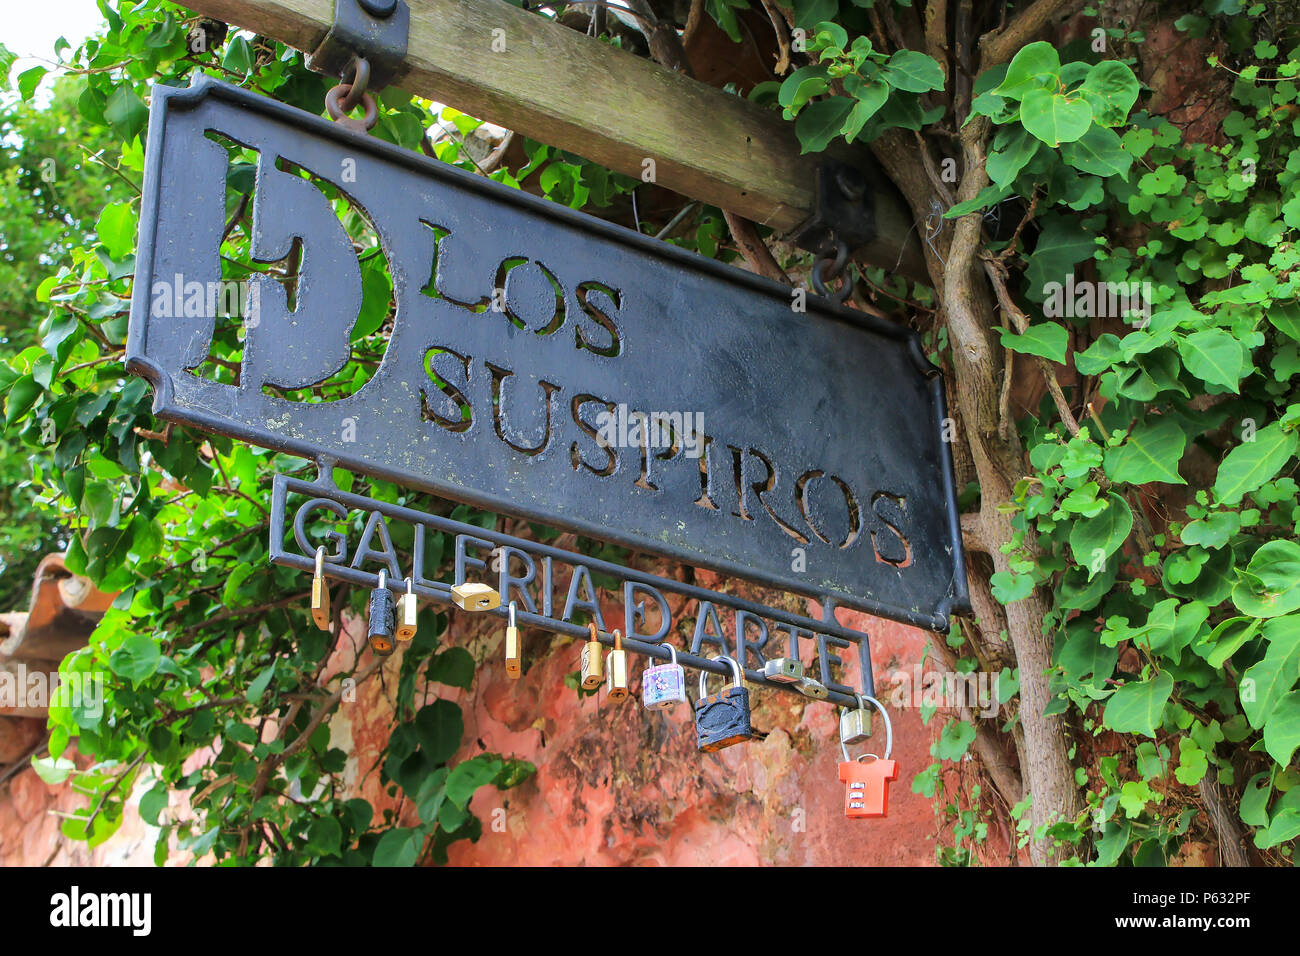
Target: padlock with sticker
{"points": [[663, 685]]}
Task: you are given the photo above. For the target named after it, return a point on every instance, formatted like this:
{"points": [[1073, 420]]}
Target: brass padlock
{"points": [[855, 723], [813, 688], [472, 596], [408, 610], [380, 624], [320, 593], [593, 661], [514, 650], [616, 670]]}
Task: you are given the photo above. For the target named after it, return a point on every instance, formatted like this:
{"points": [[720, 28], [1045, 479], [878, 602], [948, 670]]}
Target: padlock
{"points": [[616, 670], [472, 596], [408, 609], [663, 685], [722, 719], [866, 786], [320, 593], [783, 670], [855, 723], [866, 781], [593, 661], [380, 627], [813, 688], [514, 651]]}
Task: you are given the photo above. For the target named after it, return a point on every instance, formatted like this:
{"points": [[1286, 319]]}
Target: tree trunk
{"points": [[967, 304]]}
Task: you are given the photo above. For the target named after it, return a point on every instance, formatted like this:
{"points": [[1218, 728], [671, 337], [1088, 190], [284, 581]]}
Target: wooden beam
{"points": [[521, 71]]}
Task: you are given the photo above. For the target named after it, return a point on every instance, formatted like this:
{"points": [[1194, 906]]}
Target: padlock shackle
{"points": [[704, 675], [320, 561], [383, 579], [889, 728], [410, 584], [512, 613], [618, 639], [595, 634]]}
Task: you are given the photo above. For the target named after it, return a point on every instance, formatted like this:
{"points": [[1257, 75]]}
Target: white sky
{"points": [[30, 27]]}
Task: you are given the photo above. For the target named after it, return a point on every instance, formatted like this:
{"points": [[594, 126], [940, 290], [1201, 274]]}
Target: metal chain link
{"points": [[828, 265], [351, 93]]}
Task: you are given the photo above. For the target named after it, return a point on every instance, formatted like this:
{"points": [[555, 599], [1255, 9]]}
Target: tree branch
{"points": [[999, 46]]}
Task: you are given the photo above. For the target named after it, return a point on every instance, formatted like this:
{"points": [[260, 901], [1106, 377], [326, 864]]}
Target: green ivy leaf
{"points": [[1192, 763], [1213, 356], [1285, 822], [1098, 152], [1095, 539], [453, 667], [1033, 68], [28, 80], [468, 776], [1252, 463], [1134, 797], [1013, 147], [1151, 453], [1008, 587], [1282, 731], [1136, 708], [821, 122], [439, 727], [1111, 89], [913, 71], [399, 846], [1270, 586], [125, 112], [136, 658], [1047, 339], [954, 740], [1267, 682], [1053, 118], [870, 98]]}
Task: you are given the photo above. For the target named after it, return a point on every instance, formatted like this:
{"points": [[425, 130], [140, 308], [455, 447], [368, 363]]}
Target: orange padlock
{"points": [[866, 784]]}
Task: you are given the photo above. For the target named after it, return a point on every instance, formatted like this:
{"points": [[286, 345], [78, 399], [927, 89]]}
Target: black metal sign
{"points": [[550, 365]]}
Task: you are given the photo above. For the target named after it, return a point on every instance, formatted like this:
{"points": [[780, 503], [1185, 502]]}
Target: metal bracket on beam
{"points": [[843, 210], [373, 30]]}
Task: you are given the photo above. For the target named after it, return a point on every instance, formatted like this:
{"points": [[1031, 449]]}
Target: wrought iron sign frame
{"points": [[822, 428], [373, 546]]}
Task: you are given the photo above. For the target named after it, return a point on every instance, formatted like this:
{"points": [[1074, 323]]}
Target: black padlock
{"points": [[722, 719], [381, 618]]}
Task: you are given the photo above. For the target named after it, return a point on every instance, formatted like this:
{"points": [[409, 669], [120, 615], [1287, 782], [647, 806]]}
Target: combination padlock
{"points": [[783, 670], [866, 780], [663, 685], [722, 719], [855, 722], [616, 687], [472, 596], [514, 650], [380, 625], [320, 593], [593, 661], [408, 610]]}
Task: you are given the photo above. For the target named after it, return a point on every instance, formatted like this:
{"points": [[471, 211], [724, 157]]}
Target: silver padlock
{"points": [[783, 670], [813, 688], [855, 723], [663, 685]]}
